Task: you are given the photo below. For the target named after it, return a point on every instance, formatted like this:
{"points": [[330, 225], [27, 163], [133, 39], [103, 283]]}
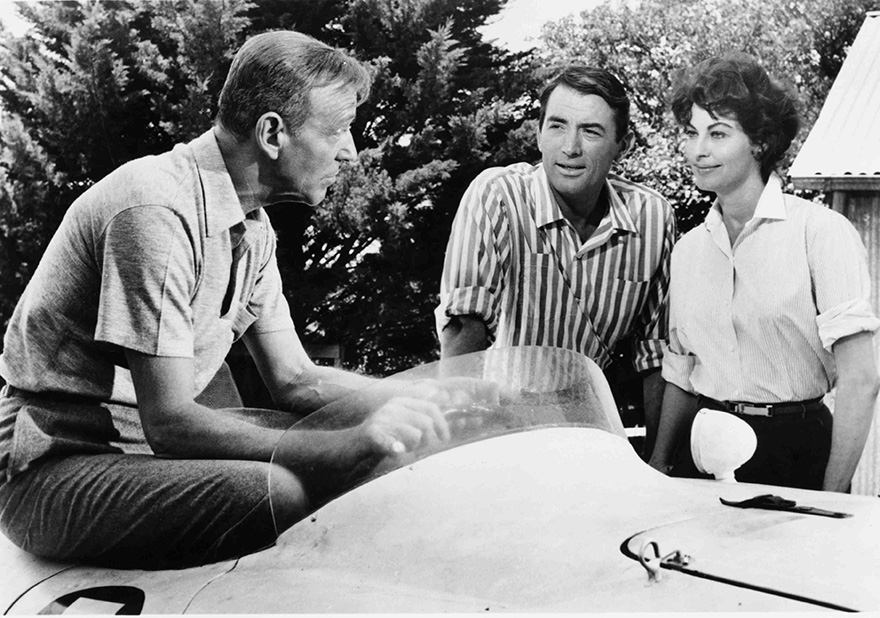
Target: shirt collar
{"points": [[771, 204], [547, 211], [223, 209]]}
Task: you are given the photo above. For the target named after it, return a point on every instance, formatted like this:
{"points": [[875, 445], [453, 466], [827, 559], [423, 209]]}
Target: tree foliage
{"points": [[801, 42], [91, 86], [444, 105], [95, 84]]}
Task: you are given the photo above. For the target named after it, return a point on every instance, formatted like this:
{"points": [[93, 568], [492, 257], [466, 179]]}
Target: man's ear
{"points": [[269, 134], [626, 145]]}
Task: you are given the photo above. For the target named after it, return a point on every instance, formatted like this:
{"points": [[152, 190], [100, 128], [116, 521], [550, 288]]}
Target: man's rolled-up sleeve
{"points": [[472, 278]]}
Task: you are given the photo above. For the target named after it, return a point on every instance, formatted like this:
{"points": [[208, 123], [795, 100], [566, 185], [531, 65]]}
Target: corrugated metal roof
{"points": [[844, 144]]}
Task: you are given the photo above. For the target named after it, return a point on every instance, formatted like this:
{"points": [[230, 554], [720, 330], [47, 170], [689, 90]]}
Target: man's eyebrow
{"points": [[592, 125], [343, 120], [581, 125]]}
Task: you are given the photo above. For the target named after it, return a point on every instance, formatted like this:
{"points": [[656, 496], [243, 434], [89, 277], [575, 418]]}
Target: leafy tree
{"points": [[89, 87], [645, 44], [444, 105], [803, 42], [95, 84]]}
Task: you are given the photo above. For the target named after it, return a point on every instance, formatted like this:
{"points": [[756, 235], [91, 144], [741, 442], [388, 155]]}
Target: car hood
{"points": [[542, 520], [542, 505]]}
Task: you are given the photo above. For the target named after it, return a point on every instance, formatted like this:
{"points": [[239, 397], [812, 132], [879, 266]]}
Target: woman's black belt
{"points": [[801, 408]]}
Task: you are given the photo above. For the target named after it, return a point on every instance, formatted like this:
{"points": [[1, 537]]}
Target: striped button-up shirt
{"points": [[515, 261], [755, 322]]}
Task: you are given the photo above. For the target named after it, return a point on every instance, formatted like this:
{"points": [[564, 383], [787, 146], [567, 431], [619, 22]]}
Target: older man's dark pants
{"points": [[138, 510], [792, 449], [130, 510]]}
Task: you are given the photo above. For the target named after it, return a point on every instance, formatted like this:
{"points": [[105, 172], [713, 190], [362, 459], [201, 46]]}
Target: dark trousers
{"points": [[138, 511], [792, 449], [123, 510]]}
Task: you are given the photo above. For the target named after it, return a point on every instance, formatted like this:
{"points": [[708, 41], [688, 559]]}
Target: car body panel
{"points": [[522, 522], [805, 556], [96, 590], [538, 503], [21, 571]]}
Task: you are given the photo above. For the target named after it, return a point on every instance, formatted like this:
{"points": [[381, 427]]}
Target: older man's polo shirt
{"points": [[157, 257], [514, 260]]}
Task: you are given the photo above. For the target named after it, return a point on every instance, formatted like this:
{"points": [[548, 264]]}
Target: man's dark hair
{"points": [[734, 85], [590, 80], [276, 71]]}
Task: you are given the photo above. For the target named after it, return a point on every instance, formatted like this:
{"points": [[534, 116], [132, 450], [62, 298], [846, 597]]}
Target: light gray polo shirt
{"points": [[156, 257]]}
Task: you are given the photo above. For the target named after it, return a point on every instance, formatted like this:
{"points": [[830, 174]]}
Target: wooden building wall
{"points": [[863, 209]]}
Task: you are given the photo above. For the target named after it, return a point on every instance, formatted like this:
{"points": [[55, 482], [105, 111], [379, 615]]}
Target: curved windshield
{"points": [[411, 415]]}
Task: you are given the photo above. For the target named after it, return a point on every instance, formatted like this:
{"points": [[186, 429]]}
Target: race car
{"points": [[536, 501]]}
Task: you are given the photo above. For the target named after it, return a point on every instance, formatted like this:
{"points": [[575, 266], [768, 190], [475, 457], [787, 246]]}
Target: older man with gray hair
{"points": [[106, 454]]}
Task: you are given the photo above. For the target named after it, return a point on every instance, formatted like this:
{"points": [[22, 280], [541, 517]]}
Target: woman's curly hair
{"points": [[736, 86]]}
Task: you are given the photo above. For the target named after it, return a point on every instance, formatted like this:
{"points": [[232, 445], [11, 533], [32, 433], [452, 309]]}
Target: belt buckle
{"points": [[744, 408]]}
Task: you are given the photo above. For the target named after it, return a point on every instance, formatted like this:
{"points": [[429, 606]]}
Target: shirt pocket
{"points": [[624, 301]]}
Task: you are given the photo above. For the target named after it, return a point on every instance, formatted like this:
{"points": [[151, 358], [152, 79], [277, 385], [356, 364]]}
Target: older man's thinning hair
{"points": [[276, 71]]}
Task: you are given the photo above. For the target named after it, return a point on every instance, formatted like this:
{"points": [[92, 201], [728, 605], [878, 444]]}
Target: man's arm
{"points": [[176, 426], [472, 280], [857, 387], [463, 334], [677, 413], [294, 381]]}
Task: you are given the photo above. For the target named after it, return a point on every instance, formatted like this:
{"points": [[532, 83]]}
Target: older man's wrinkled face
{"points": [[313, 154]]}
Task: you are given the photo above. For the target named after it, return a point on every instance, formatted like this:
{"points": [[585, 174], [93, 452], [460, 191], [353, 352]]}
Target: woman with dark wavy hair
{"points": [[769, 297]]}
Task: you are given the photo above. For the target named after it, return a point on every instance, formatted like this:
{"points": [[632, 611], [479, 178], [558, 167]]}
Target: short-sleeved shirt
{"points": [[756, 321], [157, 257], [514, 260]]}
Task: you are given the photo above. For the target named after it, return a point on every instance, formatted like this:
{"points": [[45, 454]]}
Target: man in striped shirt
{"points": [[563, 253]]}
